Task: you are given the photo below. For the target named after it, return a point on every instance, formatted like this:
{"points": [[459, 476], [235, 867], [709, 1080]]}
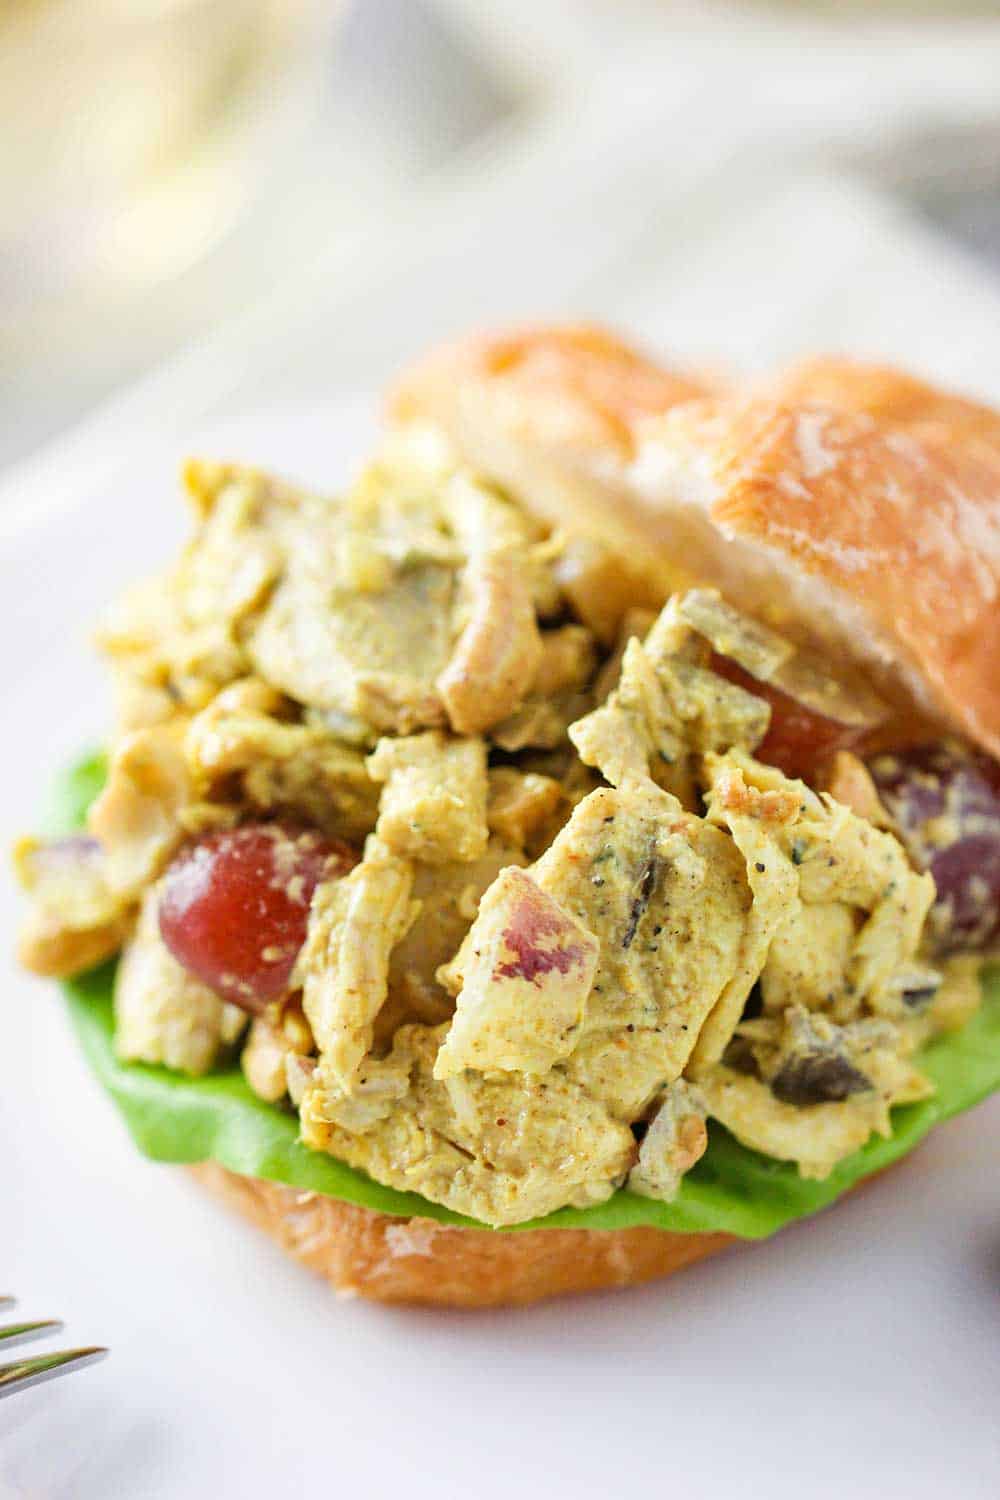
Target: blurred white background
{"points": [[169, 166]]}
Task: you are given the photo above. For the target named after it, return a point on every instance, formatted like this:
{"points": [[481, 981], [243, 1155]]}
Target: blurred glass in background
{"points": [[165, 164], [131, 129], [133, 133]]}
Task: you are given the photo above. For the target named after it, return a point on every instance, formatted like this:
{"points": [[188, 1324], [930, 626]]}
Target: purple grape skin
{"points": [[945, 798]]}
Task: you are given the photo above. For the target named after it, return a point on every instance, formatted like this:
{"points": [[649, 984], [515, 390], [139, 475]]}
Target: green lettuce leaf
{"points": [[176, 1119]]}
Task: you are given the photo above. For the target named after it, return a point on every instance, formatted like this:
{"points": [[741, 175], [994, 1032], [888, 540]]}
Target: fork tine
{"points": [[23, 1333], [22, 1373]]}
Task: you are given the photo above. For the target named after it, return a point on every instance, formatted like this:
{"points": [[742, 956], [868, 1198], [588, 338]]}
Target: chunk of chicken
{"points": [[181, 632], [162, 1013], [523, 974], [494, 659], [602, 586], [236, 555], [710, 713], [772, 878], [632, 735], [566, 663], [300, 770], [849, 781], [558, 695], [433, 805], [525, 808], [448, 897], [501, 1148], [483, 521], [808, 956], [822, 1090], [636, 624], [75, 919], [497, 654], [834, 858], [665, 710], [772, 658], [816, 1140], [667, 897], [354, 924], [137, 818], [373, 657]]}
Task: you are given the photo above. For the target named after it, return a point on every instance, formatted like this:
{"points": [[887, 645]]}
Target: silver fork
{"points": [[19, 1374]]}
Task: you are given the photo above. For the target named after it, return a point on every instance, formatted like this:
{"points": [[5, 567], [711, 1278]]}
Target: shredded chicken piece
{"points": [[497, 655], [137, 817], [357, 622], [632, 734], [47, 947], [567, 661], [162, 1013], [666, 710], [225, 575], [483, 522], [370, 656], [250, 695], [772, 658], [433, 805], [140, 705], [448, 896], [816, 1141], [817, 1090], [297, 769], [75, 919], [298, 1072], [808, 956], [162, 664], [636, 625], [525, 808], [808, 1059], [667, 896], [538, 724], [602, 586], [675, 1140], [558, 696], [709, 713], [354, 924], [849, 781], [180, 633], [524, 973], [805, 852], [503, 1148], [772, 880], [958, 997]]}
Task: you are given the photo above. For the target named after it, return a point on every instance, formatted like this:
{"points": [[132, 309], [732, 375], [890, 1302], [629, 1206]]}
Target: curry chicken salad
{"points": [[504, 872]]}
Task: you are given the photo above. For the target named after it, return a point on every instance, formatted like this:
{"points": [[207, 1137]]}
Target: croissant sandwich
{"points": [[569, 849]]}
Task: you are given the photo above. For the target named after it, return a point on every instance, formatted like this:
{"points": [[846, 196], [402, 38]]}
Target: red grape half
{"points": [[235, 906], [945, 799]]}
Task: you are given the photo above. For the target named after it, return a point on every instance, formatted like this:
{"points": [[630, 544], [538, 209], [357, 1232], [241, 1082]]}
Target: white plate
{"points": [[856, 1355]]}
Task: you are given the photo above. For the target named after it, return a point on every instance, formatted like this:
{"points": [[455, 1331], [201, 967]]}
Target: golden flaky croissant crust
{"points": [[865, 500]]}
